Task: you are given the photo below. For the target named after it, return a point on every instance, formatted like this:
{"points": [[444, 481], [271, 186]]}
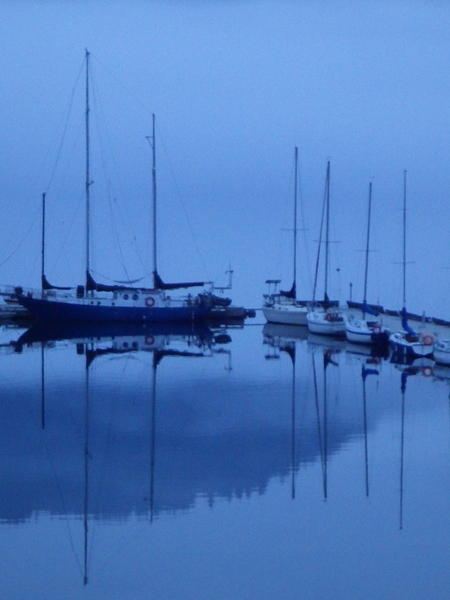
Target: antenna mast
{"points": [[295, 221], [367, 243], [88, 180], [152, 141]]}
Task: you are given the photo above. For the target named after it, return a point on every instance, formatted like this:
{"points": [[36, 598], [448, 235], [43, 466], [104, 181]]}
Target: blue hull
{"points": [[65, 311], [407, 351]]}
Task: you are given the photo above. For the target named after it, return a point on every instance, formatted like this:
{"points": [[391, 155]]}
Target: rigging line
{"points": [[286, 207], [287, 200], [184, 208], [99, 493], [320, 242], [22, 239], [145, 106], [42, 434], [128, 281], [113, 200], [147, 109], [74, 146], [316, 399], [61, 496], [55, 165], [58, 155], [81, 199], [304, 229], [118, 246]]}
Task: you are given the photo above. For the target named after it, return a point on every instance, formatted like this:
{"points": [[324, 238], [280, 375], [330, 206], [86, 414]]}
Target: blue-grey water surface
{"points": [[274, 465]]}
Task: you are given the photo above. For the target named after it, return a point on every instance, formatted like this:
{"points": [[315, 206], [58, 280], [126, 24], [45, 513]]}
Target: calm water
{"points": [[175, 467]]}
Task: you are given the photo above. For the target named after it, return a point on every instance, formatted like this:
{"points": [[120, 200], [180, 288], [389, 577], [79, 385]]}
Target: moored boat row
{"points": [[370, 328]]}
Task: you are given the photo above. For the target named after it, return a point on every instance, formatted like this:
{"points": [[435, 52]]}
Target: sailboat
{"points": [[94, 302], [282, 306], [325, 319], [367, 331], [408, 343]]}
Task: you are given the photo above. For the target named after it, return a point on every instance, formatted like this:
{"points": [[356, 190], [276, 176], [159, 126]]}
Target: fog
{"points": [[235, 86]]}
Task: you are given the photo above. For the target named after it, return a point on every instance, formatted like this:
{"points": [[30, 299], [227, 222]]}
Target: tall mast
{"points": [[295, 221], [367, 244], [152, 141], [327, 229], [88, 180], [154, 197], [316, 274], [43, 242], [404, 237]]}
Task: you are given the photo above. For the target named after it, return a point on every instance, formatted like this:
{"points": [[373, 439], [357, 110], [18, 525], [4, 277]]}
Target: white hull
{"points": [[358, 337], [441, 352], [361, 331], [286, 314], [326, 323], [401, 345]]}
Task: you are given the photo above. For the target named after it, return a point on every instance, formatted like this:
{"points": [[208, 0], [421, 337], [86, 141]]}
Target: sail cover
{"points": [[292, 293], [160, 285], [405, 324]]}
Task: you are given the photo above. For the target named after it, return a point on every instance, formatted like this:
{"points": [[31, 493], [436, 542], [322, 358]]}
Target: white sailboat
{"points": [[282, 306], [367, 330], [325, 319], [408, 343]]}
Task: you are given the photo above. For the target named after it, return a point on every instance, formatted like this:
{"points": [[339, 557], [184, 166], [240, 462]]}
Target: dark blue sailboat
{"points": [[94, 302]]}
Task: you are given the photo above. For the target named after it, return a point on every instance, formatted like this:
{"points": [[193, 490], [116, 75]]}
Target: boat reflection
{"points": [[122, 337], [109, 340], [130, 426]]}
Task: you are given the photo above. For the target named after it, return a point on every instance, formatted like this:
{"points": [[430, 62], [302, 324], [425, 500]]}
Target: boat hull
{"points": [[324, 323], [104, 310], [360, 331], [403, 347], [441, 352], [286, 314]]}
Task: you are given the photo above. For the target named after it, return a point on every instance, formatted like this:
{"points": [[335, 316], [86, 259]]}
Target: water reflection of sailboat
{"points": [[279, 334], [121, 337], [373, 354], [365, 373], [95, 344], [273, 336], [407, 372], [328, 353], [405, 375], [322, 422]]}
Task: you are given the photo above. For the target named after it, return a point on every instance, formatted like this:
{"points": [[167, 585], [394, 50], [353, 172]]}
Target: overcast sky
{"points": [[235, 86]]}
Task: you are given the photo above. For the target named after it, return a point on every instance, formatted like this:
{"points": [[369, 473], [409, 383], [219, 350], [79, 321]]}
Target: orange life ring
{"points": [[329, 317], [427, 371], [149, 301], [376, 329], [149, 340], [428, 339]]}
